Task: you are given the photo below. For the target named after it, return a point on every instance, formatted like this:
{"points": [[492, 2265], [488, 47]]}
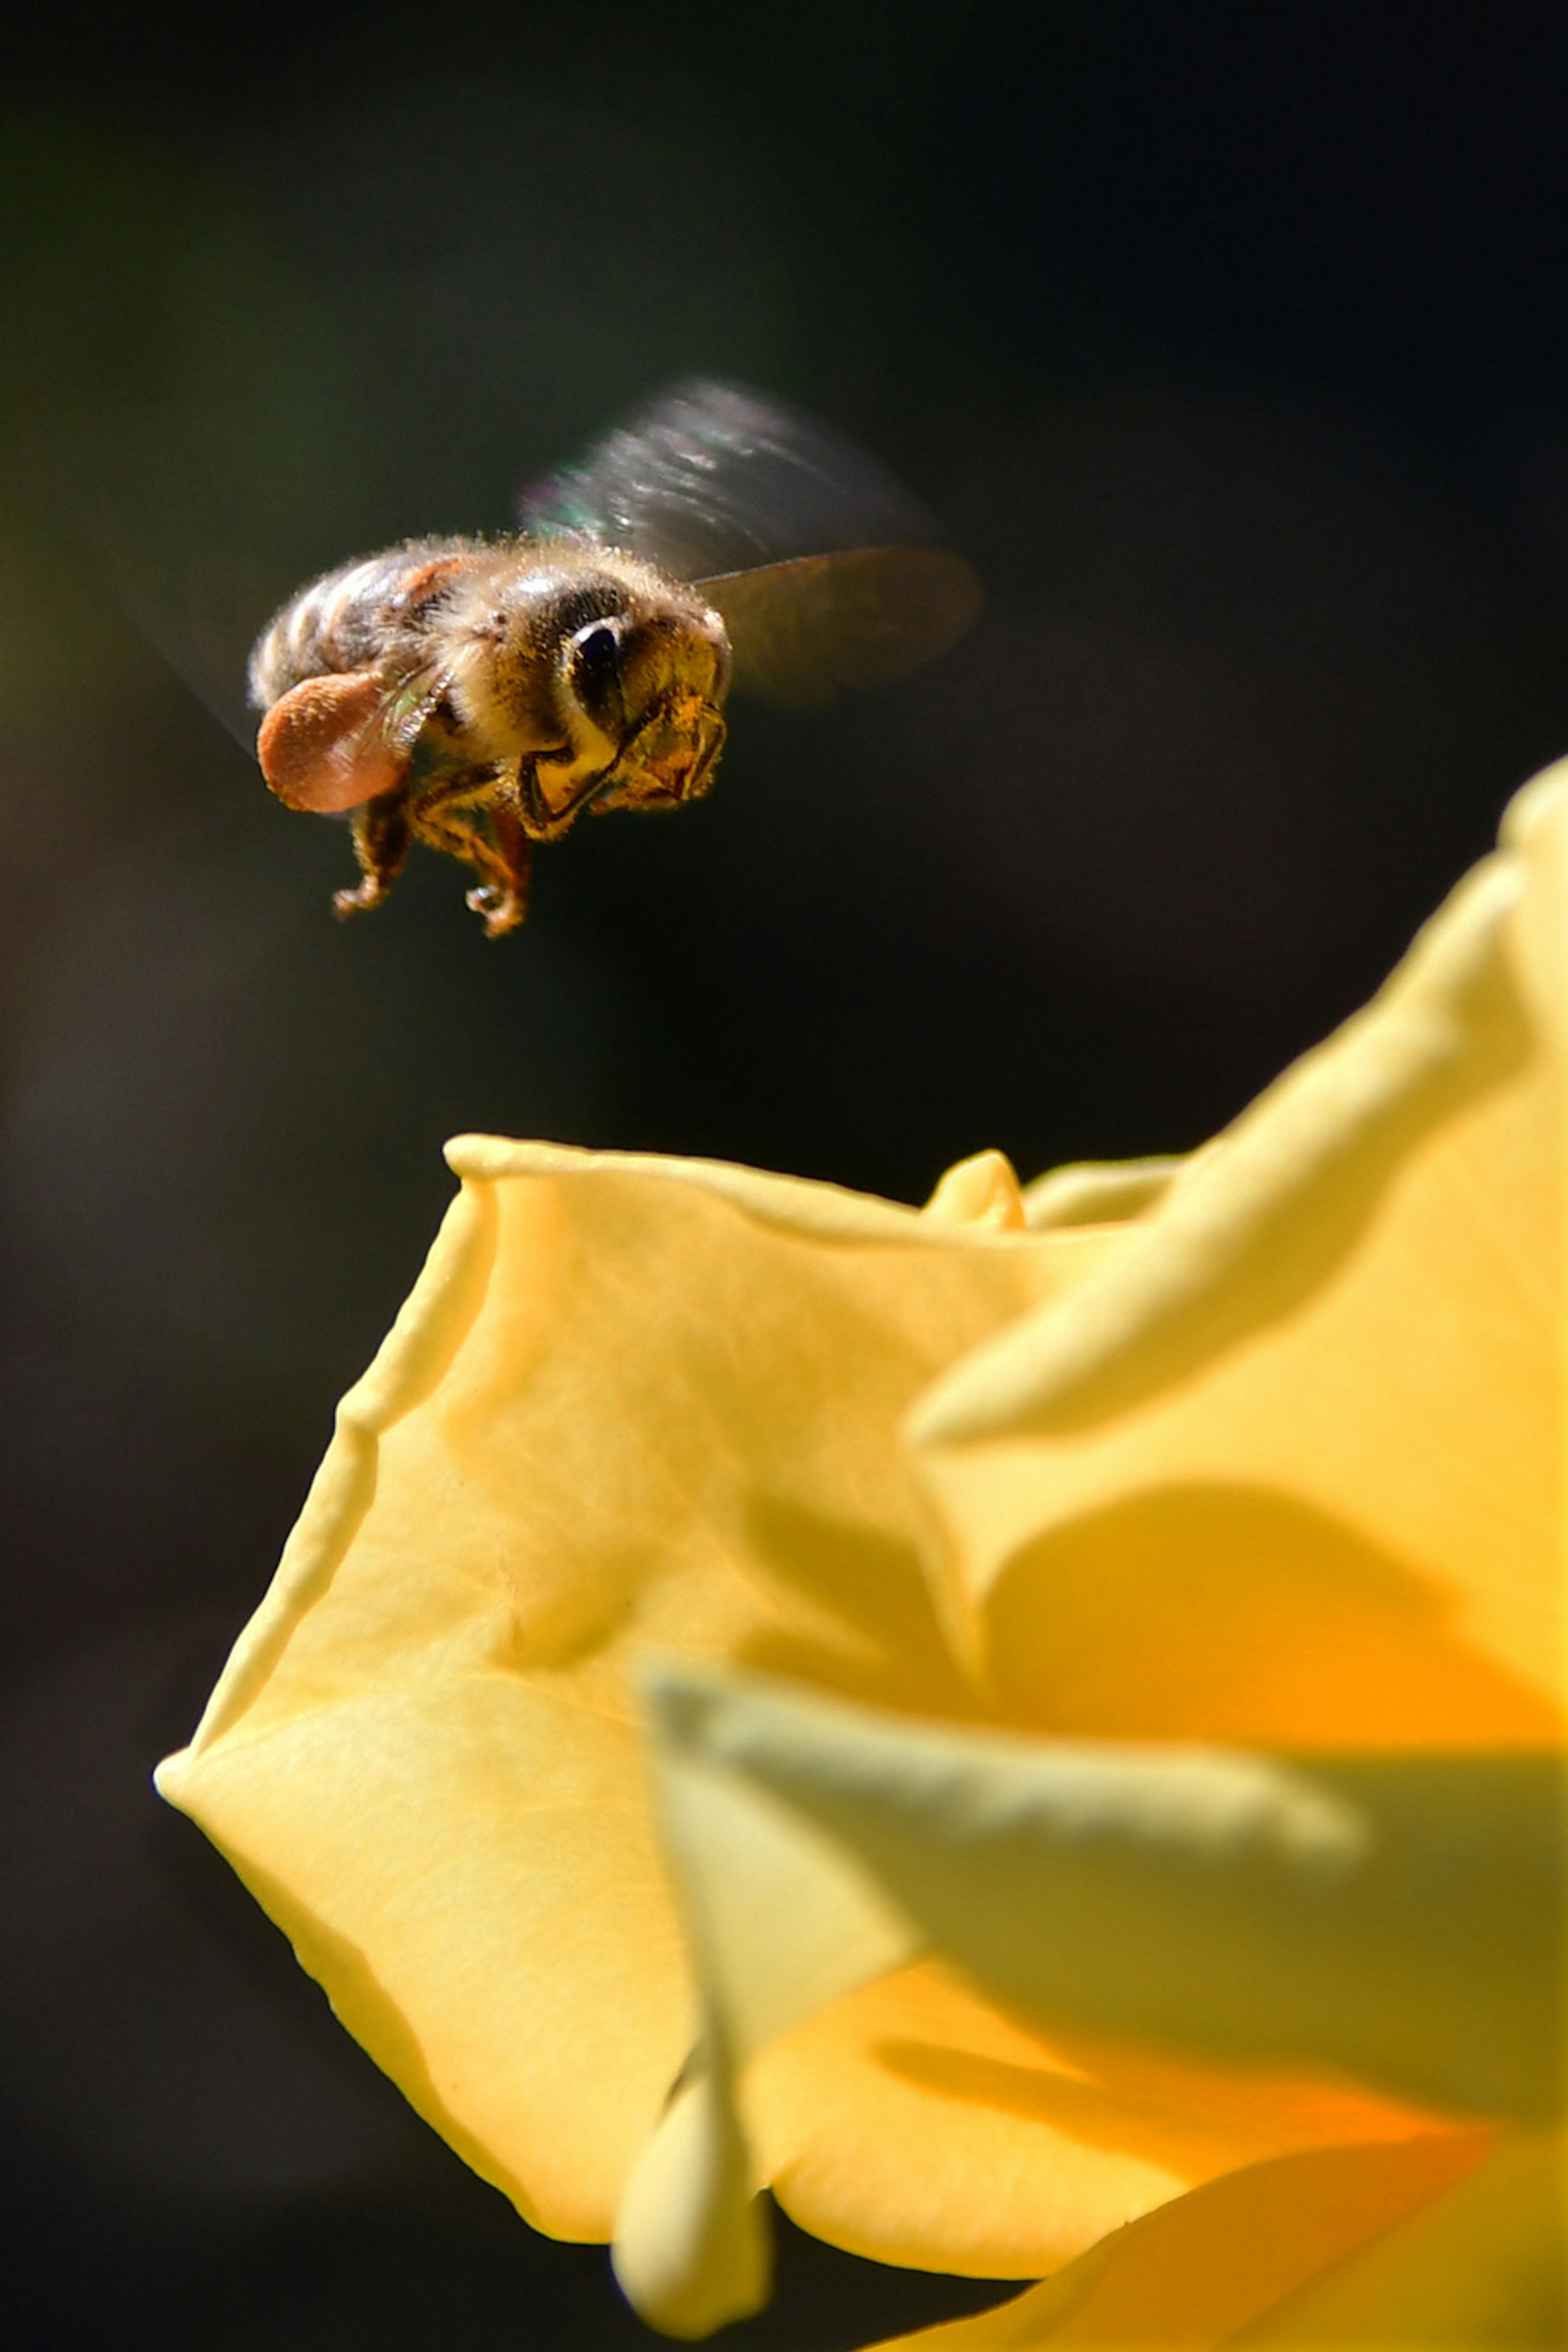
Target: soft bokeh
{"points": [[1270, 1461], [1231, 344]]}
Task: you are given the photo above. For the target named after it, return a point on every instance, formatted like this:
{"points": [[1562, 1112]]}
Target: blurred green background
{"points": [[1231, 342]]}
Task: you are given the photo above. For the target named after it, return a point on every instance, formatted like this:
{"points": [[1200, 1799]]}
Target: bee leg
{"points": [[381, 835], [506, 906], [500, 856]]}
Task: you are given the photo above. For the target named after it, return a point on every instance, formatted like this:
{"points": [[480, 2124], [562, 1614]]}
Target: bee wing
{"points": [[711, 480], [197, 614], [866, 616]]}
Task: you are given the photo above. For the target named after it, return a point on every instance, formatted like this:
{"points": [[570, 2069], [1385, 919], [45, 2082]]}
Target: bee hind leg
{"points": [[381, 837]]}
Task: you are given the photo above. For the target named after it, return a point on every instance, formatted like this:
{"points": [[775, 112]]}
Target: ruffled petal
{"points": [[634, 1406]]}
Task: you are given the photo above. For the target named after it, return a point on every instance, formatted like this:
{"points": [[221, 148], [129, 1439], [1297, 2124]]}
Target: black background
{"points": [[1231, 341]]}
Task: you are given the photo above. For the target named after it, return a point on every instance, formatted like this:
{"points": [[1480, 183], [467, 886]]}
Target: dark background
{"points": [[1231, 341]]}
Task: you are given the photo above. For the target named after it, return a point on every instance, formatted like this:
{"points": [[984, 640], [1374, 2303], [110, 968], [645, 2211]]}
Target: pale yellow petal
{"points": [[693, 2247], [1247, 1907], [1535, 829], [1397, 1916]]}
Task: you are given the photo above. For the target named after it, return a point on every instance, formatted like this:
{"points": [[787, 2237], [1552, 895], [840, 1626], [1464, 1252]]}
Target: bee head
{"points": [[617, 666], [648, 679], [565, 658]]}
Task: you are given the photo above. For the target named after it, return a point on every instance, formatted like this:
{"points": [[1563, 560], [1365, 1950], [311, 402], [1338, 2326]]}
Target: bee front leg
{"points": [[504, 907], [381, 837], [499, 852]]}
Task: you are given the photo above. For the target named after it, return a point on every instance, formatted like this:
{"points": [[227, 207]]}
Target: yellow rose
{"points": [[997, 1721]]}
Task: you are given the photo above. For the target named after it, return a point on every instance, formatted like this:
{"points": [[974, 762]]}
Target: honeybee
{"points": [[480, 694]]}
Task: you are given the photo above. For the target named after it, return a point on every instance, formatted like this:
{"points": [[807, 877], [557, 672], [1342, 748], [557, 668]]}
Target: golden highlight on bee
{"points": [[478, 696]]}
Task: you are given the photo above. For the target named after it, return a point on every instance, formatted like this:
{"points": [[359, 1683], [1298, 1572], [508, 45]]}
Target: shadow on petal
{"points": [[1226, 1612], [1189, 2119], [880, 1641]]}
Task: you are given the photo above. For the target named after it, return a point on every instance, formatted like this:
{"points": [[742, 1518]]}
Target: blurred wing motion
{"points": [[711, 479], [197, 614], [820, 561], [868, 617]]}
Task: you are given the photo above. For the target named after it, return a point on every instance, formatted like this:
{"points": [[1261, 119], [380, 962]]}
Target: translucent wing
{"points": [[866, 616], [711, 479], [198, 615]]}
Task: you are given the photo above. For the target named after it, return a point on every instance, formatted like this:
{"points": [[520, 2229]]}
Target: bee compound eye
{"points": [[594, 670]]}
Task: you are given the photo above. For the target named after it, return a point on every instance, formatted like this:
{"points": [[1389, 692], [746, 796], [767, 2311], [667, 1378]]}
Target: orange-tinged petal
{"points": [[1485, 2264], [1190, 2275]]}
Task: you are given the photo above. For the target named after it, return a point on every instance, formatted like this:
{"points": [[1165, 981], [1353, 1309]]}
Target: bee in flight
{"points": [[479, 695]]}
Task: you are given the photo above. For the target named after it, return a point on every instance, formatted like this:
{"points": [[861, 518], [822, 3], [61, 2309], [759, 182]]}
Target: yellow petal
{"points": [[1288, 1468], [1191, 2274], [1265, 1447], [1486, 2264], [1097, 1192], [1023, 2144], [983, 1192], [634, 1406]]}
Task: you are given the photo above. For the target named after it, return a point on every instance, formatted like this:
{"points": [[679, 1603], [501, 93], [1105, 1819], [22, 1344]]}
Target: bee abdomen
{"points": [[353, 617]]}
